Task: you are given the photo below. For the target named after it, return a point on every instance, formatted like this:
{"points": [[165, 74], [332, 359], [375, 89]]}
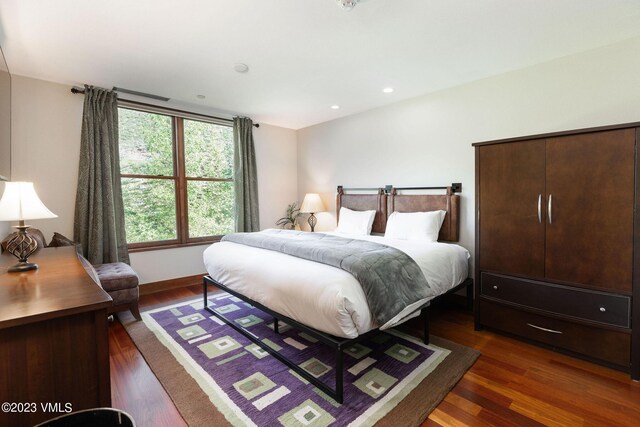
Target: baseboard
{"points": [[163, 285]]}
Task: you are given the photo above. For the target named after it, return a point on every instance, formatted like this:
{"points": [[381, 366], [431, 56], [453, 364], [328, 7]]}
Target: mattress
{"points": [[323, 297]]}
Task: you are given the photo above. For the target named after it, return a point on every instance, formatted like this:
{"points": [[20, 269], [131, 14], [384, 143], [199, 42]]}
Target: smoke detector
{"points": [[347, 4], [241, 68]]}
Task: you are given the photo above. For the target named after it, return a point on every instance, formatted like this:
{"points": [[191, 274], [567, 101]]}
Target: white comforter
{"points": [[326, 298]]}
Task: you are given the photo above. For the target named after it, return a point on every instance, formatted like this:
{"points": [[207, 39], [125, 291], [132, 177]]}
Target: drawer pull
{"points": [[602, 309], [544, 329], [495, 287]]}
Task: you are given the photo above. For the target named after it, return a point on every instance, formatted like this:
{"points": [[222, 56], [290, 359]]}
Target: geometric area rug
{"points": [[216, 376]]}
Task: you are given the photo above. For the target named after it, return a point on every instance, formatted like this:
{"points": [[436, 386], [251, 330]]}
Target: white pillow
{"points": [[415, 225], [355, 222]]}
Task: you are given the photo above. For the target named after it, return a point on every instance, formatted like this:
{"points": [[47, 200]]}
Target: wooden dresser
{"points": [[557, 222], [54, 346]]}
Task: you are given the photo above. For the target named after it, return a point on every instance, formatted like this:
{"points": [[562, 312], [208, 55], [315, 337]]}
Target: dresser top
{"points": [[557, 134], [59, 287]]}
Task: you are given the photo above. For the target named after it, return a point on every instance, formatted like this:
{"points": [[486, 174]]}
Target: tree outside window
{"points": [[177, 178]]}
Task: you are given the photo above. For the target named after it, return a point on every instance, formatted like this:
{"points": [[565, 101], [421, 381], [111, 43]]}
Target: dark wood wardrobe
{"points": [[556, 237]]}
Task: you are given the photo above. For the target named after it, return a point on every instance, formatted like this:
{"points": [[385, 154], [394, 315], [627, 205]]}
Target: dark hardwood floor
{"points": [[512, 383]]}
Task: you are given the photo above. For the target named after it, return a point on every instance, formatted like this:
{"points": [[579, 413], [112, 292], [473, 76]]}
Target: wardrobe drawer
{"points": [[602, 344], [611, 309]]}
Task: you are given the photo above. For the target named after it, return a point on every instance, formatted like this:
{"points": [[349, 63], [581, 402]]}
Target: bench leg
{"points": [[135, 310]]}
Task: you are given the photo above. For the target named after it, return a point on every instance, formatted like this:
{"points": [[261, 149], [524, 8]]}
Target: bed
{"points": [[331, 306]]}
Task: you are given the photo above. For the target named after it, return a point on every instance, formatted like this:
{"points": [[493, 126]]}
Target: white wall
{"points": [[427, 140], [277, 154], [45, 147], [46, 120]]}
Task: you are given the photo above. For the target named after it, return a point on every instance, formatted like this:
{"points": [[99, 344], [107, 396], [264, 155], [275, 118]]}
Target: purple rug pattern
{"points": [[250, 387]]}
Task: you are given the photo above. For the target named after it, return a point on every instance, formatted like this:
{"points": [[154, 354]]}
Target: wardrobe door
{"points": [[512, 188], [590, 185]]}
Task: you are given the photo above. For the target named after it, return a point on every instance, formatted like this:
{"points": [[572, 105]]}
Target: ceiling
{"points": [[303, 55]]}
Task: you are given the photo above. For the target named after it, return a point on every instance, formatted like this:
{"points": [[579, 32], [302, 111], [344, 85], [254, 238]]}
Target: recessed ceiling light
{"points": [[200, 96], [387, 90], [241, 68], [335, 107]]}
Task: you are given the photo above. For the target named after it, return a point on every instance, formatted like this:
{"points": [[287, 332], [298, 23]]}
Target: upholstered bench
{"points": [[120, 281]]}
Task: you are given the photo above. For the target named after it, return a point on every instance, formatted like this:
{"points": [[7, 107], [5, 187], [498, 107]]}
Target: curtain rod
{"points": [[76, 90]]}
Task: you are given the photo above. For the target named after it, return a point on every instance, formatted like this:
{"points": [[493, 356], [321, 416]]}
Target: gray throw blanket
{"points": [[390, 279]]}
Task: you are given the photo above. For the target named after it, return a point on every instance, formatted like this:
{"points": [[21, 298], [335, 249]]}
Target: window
{"points": [[177, 178]]}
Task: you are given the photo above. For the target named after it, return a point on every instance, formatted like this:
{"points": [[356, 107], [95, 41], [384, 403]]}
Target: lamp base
{"points": [[22, 266], [312, 221], [22, 246]]}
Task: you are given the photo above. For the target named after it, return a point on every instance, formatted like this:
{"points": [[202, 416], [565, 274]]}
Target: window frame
{"points": [[179, 176]]}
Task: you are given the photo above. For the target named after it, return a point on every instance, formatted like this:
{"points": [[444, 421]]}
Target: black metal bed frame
{"points": [[455, 187], [336, 343]]}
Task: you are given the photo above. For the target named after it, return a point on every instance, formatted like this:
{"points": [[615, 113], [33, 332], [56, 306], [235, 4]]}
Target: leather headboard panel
{"points": [[450, 230], [365, 202], [385, 204]]}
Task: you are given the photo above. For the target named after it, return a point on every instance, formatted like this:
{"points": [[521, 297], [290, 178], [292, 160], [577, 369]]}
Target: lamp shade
{"points": [[20, 202], [312, 203]]}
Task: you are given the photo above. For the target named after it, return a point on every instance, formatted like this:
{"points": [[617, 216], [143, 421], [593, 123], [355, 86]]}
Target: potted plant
{"points": [[290, 220]]}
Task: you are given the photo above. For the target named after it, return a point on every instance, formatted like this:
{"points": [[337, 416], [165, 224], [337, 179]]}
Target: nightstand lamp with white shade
{"points": [[20, 203], [312, 204]]}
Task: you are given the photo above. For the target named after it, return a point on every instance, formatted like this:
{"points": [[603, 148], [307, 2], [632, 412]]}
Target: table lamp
{"points": [[19, 203], [312, 204]]}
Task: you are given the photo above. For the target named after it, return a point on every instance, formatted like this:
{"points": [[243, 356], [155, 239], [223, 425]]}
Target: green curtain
{"points": [[245, 176], [99, 214]]}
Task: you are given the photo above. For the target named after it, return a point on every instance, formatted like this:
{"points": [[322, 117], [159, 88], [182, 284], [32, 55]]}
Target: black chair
{"points": [[97, 417]]}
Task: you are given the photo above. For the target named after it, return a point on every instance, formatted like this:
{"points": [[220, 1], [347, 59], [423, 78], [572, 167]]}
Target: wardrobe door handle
{"points": [[549, 208], [540, 208], [544, 329]]}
